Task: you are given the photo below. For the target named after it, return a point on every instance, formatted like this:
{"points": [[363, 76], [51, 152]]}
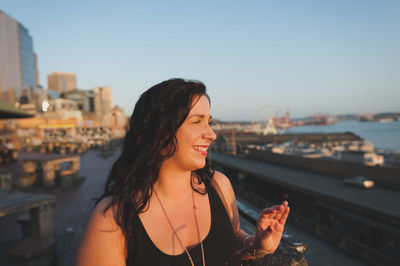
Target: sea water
{"points": [[383, 135]]}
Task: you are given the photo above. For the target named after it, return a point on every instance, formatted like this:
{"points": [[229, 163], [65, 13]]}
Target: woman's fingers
{"points": [[280, 222], [284, 216], [277, 210], [265, 219], [277, 213], [280, 212], [280, 209], [269, 210]]}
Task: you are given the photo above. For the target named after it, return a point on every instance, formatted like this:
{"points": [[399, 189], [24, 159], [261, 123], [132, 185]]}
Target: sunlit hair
{"points": [[150, 140]]}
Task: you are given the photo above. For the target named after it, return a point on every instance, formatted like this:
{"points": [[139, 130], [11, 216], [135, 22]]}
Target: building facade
{"points": [[65, 109], [37, 71], [118, 118], [84, 99], [102, 102], [17, 59], [61, 81]]}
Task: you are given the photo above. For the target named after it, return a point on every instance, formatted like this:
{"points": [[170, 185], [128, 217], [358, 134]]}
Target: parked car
{"points": [[359, 181]]}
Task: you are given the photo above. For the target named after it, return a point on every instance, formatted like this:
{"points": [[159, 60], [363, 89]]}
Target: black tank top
{"points": [[219, 245]]}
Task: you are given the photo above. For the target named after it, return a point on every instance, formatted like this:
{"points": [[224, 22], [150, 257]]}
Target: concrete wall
{"points": [[383, 175]]}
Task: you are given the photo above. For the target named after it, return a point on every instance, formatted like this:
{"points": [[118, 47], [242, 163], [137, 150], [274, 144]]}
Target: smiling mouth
{"points": [[201, 149]]}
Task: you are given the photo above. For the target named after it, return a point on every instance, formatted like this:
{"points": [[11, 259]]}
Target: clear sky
{"points": [[337, 57]]}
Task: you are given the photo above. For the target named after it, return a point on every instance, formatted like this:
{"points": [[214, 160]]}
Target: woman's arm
{"points": [[270, 223], [103, 242]]}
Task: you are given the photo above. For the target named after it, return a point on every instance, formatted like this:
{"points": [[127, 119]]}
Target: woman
{"points": [[160, 205]]}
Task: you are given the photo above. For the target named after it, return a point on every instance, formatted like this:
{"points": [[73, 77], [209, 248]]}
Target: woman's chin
{"points": [[199, 165]]}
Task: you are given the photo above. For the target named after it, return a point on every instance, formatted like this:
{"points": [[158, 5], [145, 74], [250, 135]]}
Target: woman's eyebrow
{"points": [[199, 116]]}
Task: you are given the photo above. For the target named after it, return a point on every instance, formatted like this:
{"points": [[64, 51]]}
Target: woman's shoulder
{"points": [[103, 215], [229, 195], [103, 242], [224, 184]]}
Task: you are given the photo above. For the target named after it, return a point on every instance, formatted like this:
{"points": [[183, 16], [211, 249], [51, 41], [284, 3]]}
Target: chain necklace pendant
{"points": [[176, 234]]}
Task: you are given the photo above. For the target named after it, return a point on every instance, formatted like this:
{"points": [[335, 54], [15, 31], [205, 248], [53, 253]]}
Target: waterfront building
{"points": [[118, 117], [60, 104], [65, 109], [368, 158], [42, 100], [53, 94], [102, 102], [392, 159], [116, 121], [17, 59], [84, 99], [61, 81]]}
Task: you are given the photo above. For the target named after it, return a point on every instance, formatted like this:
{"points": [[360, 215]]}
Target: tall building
{"points": [[102, 102], [37, 71], [17, 60], [61, 81]]}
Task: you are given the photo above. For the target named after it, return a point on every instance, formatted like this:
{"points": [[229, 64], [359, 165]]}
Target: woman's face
{"points": [[194, 136]]}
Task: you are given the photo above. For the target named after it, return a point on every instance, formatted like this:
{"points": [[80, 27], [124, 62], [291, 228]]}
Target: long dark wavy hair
{"points": [[150, 140]]}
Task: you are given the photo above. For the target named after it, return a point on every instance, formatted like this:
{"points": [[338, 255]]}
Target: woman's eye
{"points": [[196, 122]]}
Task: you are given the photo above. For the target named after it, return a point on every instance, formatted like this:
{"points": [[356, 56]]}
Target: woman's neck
{"points": [[173, 183]]}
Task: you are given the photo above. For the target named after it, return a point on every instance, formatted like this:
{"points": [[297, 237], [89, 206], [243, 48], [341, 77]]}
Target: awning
{"points": [[9, 111]]}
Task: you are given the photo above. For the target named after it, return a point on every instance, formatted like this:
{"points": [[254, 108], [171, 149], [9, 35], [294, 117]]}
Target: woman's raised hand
{"points": [[270, 225]]}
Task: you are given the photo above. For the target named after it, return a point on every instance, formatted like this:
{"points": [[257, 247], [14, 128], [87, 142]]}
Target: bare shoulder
{"points": [[224, 184], [229, 195], [103, 216], [103, 242]]}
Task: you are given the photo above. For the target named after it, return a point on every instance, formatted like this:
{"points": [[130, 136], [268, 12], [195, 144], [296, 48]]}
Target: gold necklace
{"points": [[173, 229]]}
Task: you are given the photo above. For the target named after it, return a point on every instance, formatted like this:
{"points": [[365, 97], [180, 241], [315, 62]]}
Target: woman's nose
{"points": [[210, 134]]}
